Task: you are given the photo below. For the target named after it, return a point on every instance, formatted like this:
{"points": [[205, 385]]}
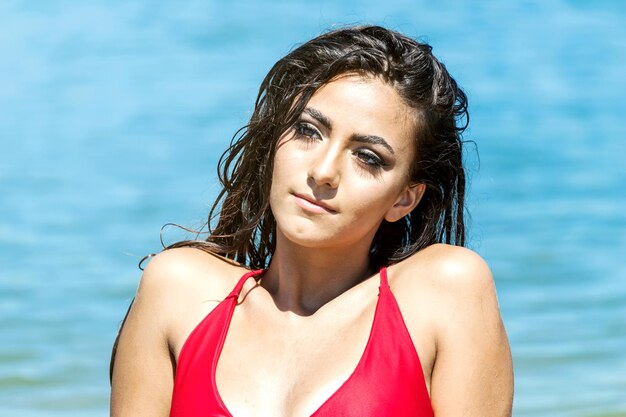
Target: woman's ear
{"points": [[406, 202]]}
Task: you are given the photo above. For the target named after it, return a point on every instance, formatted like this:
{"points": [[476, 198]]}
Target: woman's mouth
{"points": [[310, 204]]}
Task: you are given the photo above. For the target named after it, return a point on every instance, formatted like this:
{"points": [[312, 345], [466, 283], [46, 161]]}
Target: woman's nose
{"points": [[325, 169]]}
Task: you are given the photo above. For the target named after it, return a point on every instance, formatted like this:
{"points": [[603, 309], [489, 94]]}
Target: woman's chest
{"points": [[290, 365], [243, 361]]}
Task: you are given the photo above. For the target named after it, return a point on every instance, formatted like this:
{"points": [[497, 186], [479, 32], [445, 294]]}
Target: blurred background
{"points": [[113, 115]]}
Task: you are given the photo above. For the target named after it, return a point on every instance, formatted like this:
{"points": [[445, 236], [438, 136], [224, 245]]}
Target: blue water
{"points": [[113, 115]]}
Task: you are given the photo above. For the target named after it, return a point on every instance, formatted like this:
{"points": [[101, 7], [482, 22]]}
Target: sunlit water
{"points": [[113, 115]]}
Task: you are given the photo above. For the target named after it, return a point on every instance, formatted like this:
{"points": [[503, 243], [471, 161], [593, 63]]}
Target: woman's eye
{"points": [[307, 131], [370, 159]]}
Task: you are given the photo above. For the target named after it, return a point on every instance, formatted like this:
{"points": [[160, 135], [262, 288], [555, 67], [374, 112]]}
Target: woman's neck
{"points": [[302, 280]]}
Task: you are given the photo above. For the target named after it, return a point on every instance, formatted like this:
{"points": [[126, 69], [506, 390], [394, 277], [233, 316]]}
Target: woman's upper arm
{"points": [[143, 368], [473, 374]]}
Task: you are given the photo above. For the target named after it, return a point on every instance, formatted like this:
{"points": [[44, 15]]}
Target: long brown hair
{"points": [[245, 229]]}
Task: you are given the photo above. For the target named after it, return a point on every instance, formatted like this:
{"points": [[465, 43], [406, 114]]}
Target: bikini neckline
{"points": [[382, 289]]}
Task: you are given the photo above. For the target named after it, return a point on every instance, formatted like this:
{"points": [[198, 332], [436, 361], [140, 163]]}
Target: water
{"points": [[113, 115]]}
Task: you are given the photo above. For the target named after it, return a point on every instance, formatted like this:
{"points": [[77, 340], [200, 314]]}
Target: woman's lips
{"points": [[312, 205]]}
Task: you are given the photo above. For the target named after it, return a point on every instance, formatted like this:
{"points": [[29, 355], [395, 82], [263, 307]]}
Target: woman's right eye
{"points": [[307, 131]]}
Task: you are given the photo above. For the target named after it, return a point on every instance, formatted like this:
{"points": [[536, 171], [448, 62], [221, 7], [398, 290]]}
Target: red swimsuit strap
{"points": [[235, 292], [384, 282]]}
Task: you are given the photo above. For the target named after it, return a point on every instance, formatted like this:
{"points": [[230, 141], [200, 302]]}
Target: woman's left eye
{"points": [[370, 159]]}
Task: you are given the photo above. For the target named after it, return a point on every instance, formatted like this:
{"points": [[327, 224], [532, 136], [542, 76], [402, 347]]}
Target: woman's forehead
{"points": [[367, 104]]}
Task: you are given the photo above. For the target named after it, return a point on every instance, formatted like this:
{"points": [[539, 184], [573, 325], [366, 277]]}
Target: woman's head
{"points": [[246, 230], [345, 166]]}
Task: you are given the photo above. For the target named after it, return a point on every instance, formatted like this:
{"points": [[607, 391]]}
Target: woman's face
{"points": [[344, 166]]}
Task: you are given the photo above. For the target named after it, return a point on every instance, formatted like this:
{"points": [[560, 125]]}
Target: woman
{"points": [[335, 282]]}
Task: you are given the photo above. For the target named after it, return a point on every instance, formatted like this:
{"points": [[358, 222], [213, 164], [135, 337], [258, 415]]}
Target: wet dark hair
{"points": [[245, 230]]}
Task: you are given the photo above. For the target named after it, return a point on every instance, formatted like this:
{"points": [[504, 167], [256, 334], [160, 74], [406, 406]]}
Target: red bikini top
{"points": [[387, 381]]}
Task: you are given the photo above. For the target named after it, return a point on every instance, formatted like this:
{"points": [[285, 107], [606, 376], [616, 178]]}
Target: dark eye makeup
{"points": [[367, 158], [370, 159], [307, 130]]}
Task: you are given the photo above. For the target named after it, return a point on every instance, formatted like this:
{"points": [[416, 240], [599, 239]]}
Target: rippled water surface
{"points": [[113, 115]]}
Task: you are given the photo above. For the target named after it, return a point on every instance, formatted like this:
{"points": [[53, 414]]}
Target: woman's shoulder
{"points": [[450, 270], [450, 297], [190, 269], [178, 277], [445, 287]]}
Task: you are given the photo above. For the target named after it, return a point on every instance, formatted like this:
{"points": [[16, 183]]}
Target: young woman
{"points": [[335, 282]]}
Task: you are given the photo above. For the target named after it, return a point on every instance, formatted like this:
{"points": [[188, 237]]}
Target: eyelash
{"points": [[306, 131], [369, 160]]}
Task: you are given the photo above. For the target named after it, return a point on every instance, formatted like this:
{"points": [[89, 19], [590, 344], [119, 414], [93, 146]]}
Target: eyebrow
{"points": [[371, 139], [319, 116]]}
